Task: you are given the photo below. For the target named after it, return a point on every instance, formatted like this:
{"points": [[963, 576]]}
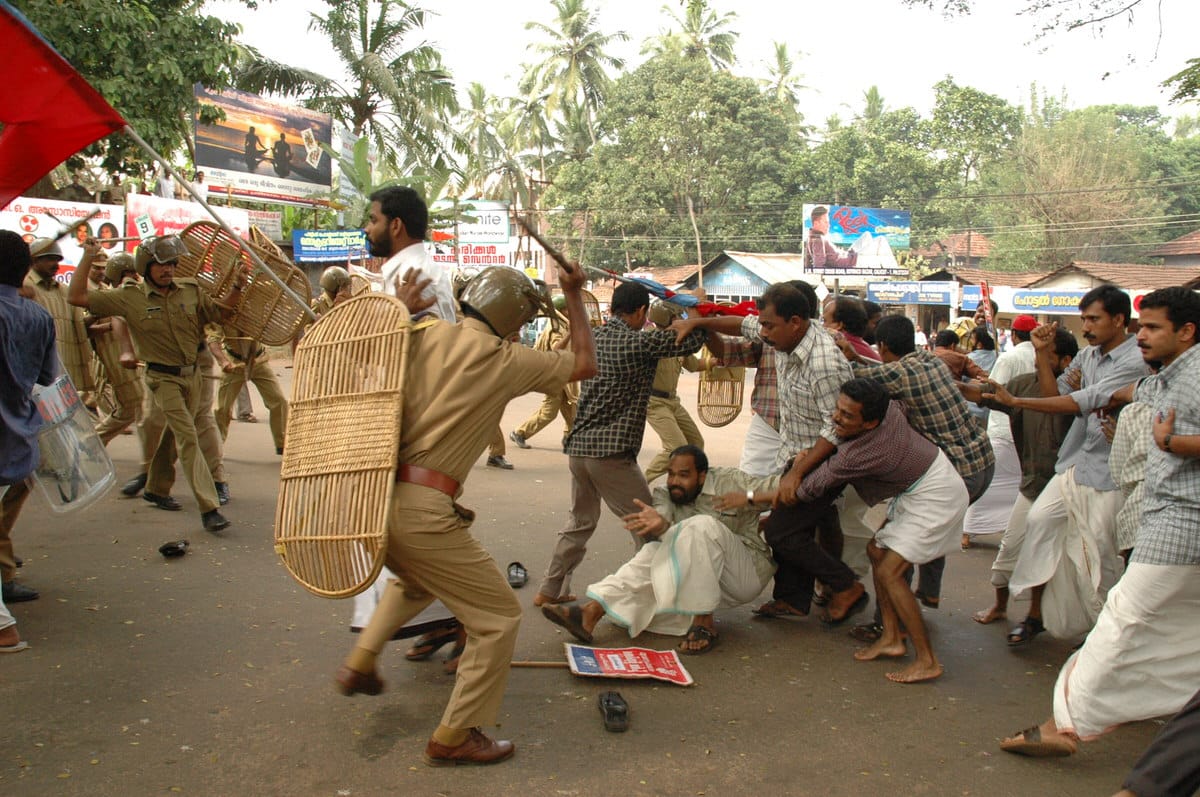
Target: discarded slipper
{"points": [[15, 648], [615, 711], [518, 576], [570, 618], [778, 608], [174, 548]]}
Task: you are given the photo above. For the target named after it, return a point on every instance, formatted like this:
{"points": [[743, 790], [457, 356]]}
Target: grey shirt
{"points": [[1169, 533], [1103, 374]]}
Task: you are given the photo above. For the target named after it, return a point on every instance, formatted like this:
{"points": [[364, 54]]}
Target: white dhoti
{"points": [[1142, 659], [859, 523], [990, 513], [1069, 546], [366, 601], [1011, 542], [697, 566], [760, 448], [925, 520]]}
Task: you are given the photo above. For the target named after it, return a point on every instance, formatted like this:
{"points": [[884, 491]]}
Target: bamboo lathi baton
{"points": [[541, 665], [590, 304]]}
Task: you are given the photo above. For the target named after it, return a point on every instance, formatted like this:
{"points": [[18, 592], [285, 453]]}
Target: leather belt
{"points": [[427, 477], [661, 394], [173, 370]]}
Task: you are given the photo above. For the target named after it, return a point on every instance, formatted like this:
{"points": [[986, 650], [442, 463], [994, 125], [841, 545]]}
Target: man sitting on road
{"points": [[704, 554]]}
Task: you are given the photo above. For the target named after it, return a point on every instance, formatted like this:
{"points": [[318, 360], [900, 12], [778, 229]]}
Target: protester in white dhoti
{"points": [[704, 555], [1142, 659], [1037, 436], [1069, 558]]}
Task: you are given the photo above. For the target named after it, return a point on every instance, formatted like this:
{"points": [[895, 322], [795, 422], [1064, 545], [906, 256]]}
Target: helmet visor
{"points": [[166, 249]]}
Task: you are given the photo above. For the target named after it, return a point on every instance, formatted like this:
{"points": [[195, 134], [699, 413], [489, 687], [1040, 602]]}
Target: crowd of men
{"points": [[864, 455]]}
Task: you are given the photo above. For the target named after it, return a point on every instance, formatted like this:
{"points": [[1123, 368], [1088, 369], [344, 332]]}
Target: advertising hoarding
{"points": [[46, 218], [328, 246], [914, 292], [264, 149], [145, 214], [872, 235]]}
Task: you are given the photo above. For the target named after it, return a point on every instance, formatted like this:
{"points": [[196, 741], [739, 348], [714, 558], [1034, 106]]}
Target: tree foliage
{"points": [[144, 57]]}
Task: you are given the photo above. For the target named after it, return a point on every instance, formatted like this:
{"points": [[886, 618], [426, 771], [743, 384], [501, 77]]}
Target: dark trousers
{"points": [[1171, 764], [791, 532]]}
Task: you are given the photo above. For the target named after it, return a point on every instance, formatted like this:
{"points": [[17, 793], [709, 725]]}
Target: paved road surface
{"points": [[211, 674]]}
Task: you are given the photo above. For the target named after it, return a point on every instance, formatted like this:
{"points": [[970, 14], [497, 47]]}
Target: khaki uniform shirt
{"points": [[460, 377], [322, 304], [666, 375], [70, 331], [238, 347], [167, 326]]}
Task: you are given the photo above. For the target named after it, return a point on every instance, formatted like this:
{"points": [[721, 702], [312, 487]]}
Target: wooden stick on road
{"points": [[541, 665]]}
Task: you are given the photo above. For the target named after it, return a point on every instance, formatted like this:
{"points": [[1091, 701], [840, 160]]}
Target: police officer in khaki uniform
{"points": [[70, 329], [553, 338], [166, 318], [243, 360], [335, 288], [460, 378], [665, 413], [126, 386]]}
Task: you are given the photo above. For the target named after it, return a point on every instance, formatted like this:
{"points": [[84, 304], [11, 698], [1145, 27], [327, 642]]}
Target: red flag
{"points": [[48, 111]]}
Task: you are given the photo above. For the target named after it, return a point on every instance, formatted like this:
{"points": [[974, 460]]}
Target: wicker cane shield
{"points": [[592, 306], [343, 441], [719, 394], [264, 312], [359, 285]]}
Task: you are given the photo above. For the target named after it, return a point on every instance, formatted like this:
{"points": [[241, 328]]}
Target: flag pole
{"points": [[261, 266]]}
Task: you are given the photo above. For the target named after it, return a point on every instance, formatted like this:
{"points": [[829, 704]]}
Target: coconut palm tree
{"points": [[704, 34], [783, 84], [576, 58], [398, 91]]}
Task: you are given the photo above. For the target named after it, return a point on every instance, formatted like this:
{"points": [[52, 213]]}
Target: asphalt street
{"points": [[211, 674]]}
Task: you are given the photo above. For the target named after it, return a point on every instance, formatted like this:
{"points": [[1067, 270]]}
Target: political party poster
{"points": [[855, 241], [264, 149], [661, 665], [147, 215], [47, 218]]}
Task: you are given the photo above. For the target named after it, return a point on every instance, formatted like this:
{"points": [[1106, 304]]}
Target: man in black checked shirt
{"points": [[604, 442]]}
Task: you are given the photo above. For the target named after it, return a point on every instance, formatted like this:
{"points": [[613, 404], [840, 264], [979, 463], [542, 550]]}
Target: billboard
{"points": [[263, 149], [151, 215], [329, 246], [914, 292], [46, 218], [871, 237]]}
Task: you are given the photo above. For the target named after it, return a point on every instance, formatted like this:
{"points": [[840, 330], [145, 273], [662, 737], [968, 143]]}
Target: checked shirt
{"points": [[936, 408], [612, 405]]}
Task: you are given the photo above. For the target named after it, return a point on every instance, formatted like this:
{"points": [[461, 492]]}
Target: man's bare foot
{"points": [[989, 616], [541, 600], [883, 649], [1041, 741], [917, 672]]}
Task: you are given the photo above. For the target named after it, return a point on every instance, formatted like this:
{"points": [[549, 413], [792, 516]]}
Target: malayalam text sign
{"points": [[327, 246], [912, 292], [46, 218]]}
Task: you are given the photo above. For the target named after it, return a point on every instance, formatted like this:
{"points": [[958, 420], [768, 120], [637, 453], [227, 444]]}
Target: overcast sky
{"points": [[840, 48]]}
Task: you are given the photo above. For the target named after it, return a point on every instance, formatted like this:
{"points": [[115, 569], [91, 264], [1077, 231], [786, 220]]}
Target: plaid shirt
{"points": [[810, 377], [764, 398], [936, 408], [1170, 529], [612, 406]]}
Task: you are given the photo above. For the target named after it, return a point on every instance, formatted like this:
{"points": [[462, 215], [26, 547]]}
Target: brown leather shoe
{"points": [[351, 681], [477, 749]]}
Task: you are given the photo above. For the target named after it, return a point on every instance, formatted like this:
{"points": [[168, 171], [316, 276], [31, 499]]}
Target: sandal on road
{"points": [[518, 576], [431, 643], [778, 608], [615, 711], [1030, 742], [570, 618], [698, 633], [1025, 631]]}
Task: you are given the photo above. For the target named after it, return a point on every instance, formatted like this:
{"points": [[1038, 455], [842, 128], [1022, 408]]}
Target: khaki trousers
{"points": [[10, 507], [263, 376], [618, 481], [674, 427], [153, 432], [432, 553], [179, 398], [497, 447], [550, 408]]}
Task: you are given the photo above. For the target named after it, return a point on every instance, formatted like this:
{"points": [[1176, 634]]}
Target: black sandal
{"points": [[518, 576], [615, 711], [425, 646], [698, 633], [1025, 631]]}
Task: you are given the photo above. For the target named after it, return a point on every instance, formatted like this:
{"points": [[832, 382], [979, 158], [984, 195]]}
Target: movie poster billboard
{"points": [[46, 218], [147, 215], [857, 241], [264, 149]]}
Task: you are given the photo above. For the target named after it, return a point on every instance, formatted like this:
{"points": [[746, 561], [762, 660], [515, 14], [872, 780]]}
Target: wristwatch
{"points": [[750, 493], [1167, 443]]}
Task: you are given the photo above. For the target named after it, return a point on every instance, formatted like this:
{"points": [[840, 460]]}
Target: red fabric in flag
{"points": [[48, 111]]}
